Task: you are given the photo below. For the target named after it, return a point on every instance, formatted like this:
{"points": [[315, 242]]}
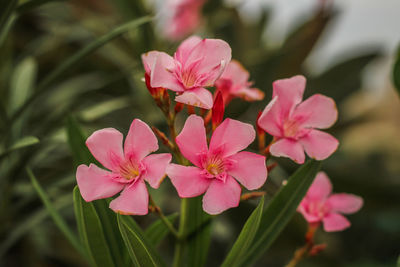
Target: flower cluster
{"points": [[219, 165]]}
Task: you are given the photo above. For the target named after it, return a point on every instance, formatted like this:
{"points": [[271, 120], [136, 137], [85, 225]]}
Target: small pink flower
{"points": [[234, 82], [184, 16], [129, 168], [196, 64], [293, 122], [319, 205], [216, 166]]}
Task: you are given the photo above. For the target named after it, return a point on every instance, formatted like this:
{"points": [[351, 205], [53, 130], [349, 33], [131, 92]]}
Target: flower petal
{"points": [[249, 169], [106, 146], [345, 203], [140, 141], [221, 196], [162, 73], [198, 97], [156, 165], [250, 94], [290, 93], [288, 148], [320, 188], [319, 145], [318, 111], [187, 180], [309, 217], [269, 120], [334, 222], [235, 72], [133, 200], [95, 183], [231, 136], [148, 60], [192, 140], [185, 48]]}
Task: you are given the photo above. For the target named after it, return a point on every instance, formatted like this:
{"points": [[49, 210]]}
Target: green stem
{"points": [[180, 245], [164, 219]]}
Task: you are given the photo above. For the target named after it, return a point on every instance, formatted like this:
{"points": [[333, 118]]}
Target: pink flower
{"points": [[234, 83], [197, 63], [319, 205], [216, 166], [129, 168], [183, 18], [293, 122]]}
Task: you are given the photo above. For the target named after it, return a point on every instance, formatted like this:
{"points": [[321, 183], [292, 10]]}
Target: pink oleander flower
{"points": [[216, 166], [183, 17], [320, 205], [129, 168], [293, 123], [196, 64], [234, 82]]}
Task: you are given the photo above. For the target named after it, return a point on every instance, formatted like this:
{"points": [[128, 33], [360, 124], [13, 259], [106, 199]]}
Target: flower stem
{"points": [[180, 245], [164, 219], [302, 252]]}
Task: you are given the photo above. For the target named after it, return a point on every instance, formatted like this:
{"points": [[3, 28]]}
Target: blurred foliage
{"points": [[82, 57]]}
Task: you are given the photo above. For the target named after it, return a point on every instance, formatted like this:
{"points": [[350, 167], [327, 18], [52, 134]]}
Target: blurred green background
{"points": [[40, 90]]}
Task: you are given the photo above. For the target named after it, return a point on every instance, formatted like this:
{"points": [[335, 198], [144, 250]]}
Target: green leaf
{"points": [[21, 143], [157, 231], [198, 233], [141, 251], [280, 210], [396, 72], [59, 221], [67, 64], [32, 4], [245, 238], [7, 8], [76, 140], [91, 231]]}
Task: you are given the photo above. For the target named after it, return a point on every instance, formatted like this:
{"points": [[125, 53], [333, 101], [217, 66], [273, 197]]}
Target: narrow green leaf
{"points": [[59, 221], [91, 231], [396, 72], [245, 238], [141, 251], [29, 5], [21, 143], [157, 231], [198, 233], [280, 210], [7, 8], [67, 64]]}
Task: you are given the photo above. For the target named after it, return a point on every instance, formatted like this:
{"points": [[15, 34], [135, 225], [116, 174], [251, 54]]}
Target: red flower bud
{"points": [[218, 110]]}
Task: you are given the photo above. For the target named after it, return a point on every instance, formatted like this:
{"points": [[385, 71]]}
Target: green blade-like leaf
{"points": [[245, 238], [59, 221], [21, 143], [141, 251], [74, 59], [281, 209], [7, 8], [396, 72], [91, 231], [157, 231], [198, 233]]}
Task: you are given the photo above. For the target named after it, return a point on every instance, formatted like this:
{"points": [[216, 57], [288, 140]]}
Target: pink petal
{"points": [[192, 140], [319, 145], [289, 92], [106, 146], [250, 94], [185, 48], [149, 59], [221, 196], [188, 180], [156, 165], [345, 203], [162, 73], [198, 97], [235, 72], [95, 183], [140, 140], [269, 120], [317, 111], [133, 200], [231, 136], [249, 169], [334, 222], [320, 188], [288, 148], [309, 217]]}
